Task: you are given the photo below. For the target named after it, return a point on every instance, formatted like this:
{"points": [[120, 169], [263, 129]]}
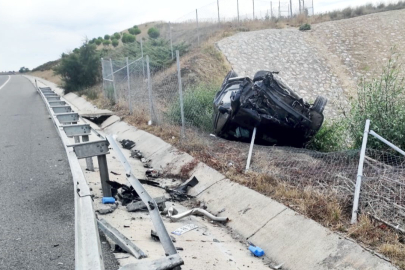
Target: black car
{"points": [[280, 116]]}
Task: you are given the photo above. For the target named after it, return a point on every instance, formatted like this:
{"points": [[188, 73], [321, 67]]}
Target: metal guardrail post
{"points": [[104, 176], [180, 93], [89, 160], [77, 139], [360, 173]]}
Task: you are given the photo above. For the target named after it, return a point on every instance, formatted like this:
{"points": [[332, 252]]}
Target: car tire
{"points": [[319, 104]]}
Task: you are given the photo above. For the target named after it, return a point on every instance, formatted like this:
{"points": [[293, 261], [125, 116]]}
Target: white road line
{"points": [[4, 84]]}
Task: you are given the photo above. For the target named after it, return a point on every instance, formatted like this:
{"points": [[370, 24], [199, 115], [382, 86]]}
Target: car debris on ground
{"points": [[268, 104], [127, 144]]}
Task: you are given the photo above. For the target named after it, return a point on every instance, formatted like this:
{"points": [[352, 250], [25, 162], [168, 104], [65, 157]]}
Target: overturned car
{"points": [[280, 116]]}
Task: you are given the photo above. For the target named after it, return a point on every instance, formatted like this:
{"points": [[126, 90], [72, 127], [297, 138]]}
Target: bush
{"points": [[114, 42], [98, 42], [331, 137], [106, 42], [24, 69], [347, 12], [92, 41], [127, 38], [383, 102], [198, 107], [117, 35], [80, 70], [305, 27], [153, 32], [107, 37], [134, 31]]}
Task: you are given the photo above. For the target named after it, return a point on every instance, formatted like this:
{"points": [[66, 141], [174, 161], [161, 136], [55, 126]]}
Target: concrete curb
{"points": [[285, 236]]}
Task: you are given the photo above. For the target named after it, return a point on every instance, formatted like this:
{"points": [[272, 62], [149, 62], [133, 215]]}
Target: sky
{"points": [[33, 32]]}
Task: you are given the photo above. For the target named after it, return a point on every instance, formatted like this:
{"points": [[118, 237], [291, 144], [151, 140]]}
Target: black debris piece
{"points": [[152, 173], [114, 173], [189, 183], [136, 154], [179, 248], [155, 236], [127, 144], [124, 193], [149, 182]]}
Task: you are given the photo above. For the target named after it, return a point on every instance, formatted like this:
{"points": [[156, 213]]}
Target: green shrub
{"points": [[92, 41], [106, 42], [153, 32], [107, 37], [98, 41], [80, 70], [198, 106], [347, 12], [24, 69], [127, 38], [134, 31], [305, 27], [117, 35], [381, 100], [331, 137], [100, 38], [114, 42]]}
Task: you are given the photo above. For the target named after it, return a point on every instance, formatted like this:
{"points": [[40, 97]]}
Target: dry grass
{"points": [[48, 75]]}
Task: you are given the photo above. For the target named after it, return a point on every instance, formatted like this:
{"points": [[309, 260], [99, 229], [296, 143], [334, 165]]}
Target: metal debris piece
{"points": [[189, 183], [184, 229], [114, 173], [122, 241], [136, 154], [195, 211], [140, 205], [125, 193], [157, 221], [155, 237], [127, 144], [169, 262]]}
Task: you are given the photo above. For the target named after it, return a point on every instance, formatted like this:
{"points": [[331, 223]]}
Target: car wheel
{"points": [[319, 104]]}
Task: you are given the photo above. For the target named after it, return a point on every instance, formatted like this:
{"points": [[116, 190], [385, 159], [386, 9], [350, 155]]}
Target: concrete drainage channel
{"points": [[289, 240]]}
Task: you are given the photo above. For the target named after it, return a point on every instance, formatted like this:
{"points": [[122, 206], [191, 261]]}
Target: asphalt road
{"points": [[3, 79], [36, 199]]}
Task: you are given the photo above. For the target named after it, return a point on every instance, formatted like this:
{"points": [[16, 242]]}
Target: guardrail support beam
{"points": [[89, 160], [104, 176]]}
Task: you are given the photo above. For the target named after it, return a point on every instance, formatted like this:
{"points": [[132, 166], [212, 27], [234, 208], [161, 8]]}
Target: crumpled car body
{"points": [[280, 116]]}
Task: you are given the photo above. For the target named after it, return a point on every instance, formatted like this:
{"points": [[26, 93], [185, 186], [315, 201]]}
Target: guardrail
{"points": [[88, 255]]}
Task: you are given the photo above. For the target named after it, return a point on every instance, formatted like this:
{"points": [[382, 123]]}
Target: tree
{"points": [[127, 38], [106, 42], [117, 35], [107, 37], [81, 69], [153, 32], [114, 42], [24, 69], [134, 30]]}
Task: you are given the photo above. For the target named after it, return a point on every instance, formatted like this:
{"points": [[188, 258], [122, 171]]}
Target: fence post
{"points": [[271, 10], [149, 89], [180, 93], [171, 40], [291, 8], [218, 11], [253, 9], [129, 88], [360, 173], [198, 29], [102, 72], [112, 75], [237, 3], [143, 64]]}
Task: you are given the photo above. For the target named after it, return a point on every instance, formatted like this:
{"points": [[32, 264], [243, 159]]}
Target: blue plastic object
{"points": [[106, 200], [258, 252]]}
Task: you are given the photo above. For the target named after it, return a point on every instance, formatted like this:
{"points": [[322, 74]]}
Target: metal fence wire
{"points": [[383, 182]]}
